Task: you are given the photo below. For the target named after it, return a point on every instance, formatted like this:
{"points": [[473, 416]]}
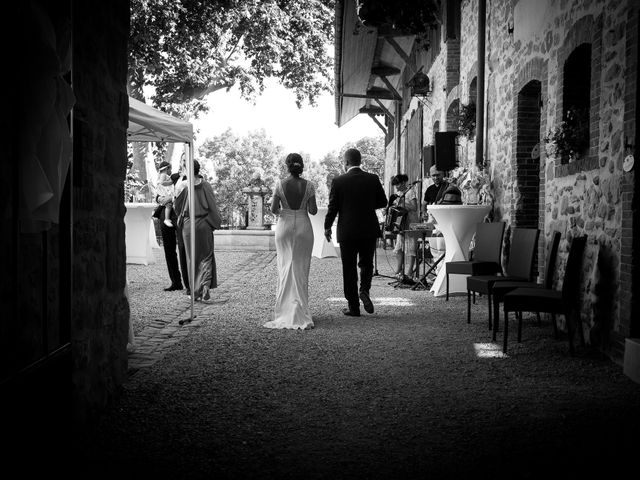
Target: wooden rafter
{"points": [[384, 130]]}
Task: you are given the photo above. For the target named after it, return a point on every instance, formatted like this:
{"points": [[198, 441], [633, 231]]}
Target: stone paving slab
{"points": [[154, 341]]}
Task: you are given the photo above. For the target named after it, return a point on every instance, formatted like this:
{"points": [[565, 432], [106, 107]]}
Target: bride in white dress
{"points": [[293, 200]]}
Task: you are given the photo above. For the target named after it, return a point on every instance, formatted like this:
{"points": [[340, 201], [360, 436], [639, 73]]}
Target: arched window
{"points": [[576, 97], [473, 90]]}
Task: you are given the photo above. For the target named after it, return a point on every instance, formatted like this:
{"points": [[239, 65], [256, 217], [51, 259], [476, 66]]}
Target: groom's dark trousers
{"points": [[353, 199], [358, 253]]}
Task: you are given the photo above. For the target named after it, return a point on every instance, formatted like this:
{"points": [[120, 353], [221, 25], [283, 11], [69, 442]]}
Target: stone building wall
{"points": [[434, 110], [585, 196], [100, 310], [524, 61]]}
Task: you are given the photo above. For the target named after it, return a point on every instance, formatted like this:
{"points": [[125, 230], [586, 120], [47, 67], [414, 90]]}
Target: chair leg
{"points": [[468, 306], [505, 332], [579, 327], [520, 328], [568, 318], [489, 305], [539, 319], [555, 325], [474, 298], [496, 316], [447, 297]]}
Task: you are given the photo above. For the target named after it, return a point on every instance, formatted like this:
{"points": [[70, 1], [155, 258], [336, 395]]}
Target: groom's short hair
{"points": [[352, 157]]}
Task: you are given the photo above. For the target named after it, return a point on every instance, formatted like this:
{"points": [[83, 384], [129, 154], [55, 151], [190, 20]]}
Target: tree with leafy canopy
{"points": [[232, 160], [182, 50], [372, 152], [186, 49], [316, 173]]}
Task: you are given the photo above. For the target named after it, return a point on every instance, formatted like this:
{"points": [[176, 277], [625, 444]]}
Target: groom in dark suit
{"points": [[354, 198]]}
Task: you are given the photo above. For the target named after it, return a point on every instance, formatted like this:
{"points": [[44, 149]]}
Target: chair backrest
{"points": [[488, 242], [552, 255], [522, 251], [573, 270]]}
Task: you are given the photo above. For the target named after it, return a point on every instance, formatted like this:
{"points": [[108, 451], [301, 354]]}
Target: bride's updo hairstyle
{"points": [[295, 165]]}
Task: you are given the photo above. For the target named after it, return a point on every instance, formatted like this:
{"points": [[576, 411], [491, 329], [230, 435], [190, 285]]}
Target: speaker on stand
{"points": [[445, 151]]}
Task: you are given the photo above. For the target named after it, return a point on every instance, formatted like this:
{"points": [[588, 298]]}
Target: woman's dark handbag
{"points": [[159, 212]]}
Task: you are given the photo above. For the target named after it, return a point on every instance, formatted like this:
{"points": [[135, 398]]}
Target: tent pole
{"points": [[192, 226]]}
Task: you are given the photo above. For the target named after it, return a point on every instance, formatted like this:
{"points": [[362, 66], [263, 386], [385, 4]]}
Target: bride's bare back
{"points": [[293, 189]]}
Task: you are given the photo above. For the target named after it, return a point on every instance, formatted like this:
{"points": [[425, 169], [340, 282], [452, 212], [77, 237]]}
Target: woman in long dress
{"points": [[293, 200], [207, 219]]}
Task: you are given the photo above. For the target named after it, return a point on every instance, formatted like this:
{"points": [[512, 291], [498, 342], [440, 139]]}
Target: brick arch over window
{"points": [[586, 30], [435, 126], [530, 94], [453, 110], [473, 90], [471, 74], [452, 96]]}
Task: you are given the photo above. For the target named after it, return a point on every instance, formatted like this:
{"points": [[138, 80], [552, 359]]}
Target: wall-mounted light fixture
{"points": [[510, 28], [419, 84]]}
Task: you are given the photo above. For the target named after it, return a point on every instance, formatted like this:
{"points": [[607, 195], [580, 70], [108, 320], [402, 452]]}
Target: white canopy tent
{"points": [[147, 124]]}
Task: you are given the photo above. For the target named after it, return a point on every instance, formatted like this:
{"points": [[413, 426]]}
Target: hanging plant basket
{"points": [[409, 17]]}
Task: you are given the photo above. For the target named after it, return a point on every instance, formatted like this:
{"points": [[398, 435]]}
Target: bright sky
{"points": [[309, 129]]}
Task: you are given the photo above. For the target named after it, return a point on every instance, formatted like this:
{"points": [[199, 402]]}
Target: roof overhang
{"points": [[368, 65]]}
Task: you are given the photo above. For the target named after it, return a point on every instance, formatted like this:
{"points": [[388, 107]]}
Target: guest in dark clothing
{"points": [[354, 198], [206, 218], [169, 243], [180, 182]]}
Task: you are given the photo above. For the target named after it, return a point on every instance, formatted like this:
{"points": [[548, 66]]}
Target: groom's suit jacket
{"points": [[354, 198]]}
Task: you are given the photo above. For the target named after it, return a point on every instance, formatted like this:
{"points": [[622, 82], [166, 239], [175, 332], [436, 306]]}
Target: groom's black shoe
{"points": [[366, 302], [172, 288], [350, 312]]}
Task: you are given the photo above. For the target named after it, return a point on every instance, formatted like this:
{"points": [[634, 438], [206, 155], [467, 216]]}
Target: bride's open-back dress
{"points": [[294, 244]]}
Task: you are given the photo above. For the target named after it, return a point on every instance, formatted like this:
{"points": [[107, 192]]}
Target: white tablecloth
{"points": [[140, 235], [322, 248], [458, 225]]}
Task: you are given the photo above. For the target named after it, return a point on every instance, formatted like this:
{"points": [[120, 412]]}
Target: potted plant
{"points": [[467, 120], [570, 139]]}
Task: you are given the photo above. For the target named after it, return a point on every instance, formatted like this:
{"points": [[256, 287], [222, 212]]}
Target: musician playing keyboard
{"points": [[407, 198]]}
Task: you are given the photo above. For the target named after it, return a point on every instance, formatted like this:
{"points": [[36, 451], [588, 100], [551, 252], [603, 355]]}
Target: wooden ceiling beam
{"points": [[385, 109], [384, 130], [396, 46], [372, 110], [373, 92], [391, 88], [385, 71]]}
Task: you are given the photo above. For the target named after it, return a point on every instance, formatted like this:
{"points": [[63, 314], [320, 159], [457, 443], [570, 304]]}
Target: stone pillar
{"points": [[255, 205]]}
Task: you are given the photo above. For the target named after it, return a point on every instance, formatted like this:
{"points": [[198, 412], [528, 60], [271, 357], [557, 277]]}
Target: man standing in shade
{"points": [[169, 236], [354, 198]]}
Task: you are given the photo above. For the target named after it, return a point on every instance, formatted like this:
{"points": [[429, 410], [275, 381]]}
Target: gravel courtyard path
{"points": [[412, 391]]}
